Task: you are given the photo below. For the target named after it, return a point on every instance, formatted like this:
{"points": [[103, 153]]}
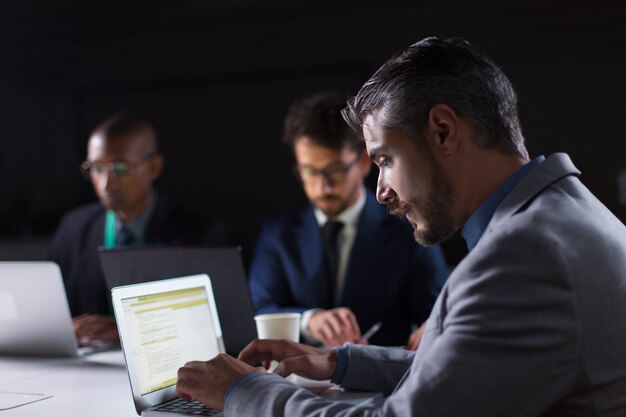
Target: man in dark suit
{"points": [[123, 161], [370, 271]]}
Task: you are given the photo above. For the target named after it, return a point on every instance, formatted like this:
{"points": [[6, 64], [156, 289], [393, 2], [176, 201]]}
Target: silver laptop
{"points": [[166, 323], [34, 314], [163, 325]]}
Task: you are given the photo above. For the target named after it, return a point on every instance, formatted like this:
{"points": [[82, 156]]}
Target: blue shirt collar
{"points": [[478, 221]]}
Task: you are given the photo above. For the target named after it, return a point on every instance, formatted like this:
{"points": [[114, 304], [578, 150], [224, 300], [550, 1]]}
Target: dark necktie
{"points": [[125, 237], [330, 232]]}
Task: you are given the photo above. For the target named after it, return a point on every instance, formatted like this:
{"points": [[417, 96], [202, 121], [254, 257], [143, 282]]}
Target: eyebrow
{"points": [[333, 162], [374, 152]]}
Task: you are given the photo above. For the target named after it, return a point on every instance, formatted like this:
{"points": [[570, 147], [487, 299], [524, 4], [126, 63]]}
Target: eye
{"points": [[308, 171], [384, 162], [120, 168]]}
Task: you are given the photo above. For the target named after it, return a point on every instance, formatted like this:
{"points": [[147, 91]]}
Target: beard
{"points": [[435, 222], [336, 204], [339, 202]]}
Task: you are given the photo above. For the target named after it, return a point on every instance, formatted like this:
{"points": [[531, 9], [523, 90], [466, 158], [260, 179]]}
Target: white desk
{"points": [[95, 386]]}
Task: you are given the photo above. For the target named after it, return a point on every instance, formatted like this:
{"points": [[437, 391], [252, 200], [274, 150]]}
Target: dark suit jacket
{"points": [[81, 231], [389, 277]]}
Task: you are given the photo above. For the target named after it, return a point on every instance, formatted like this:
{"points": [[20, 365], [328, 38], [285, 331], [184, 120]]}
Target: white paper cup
{"points": [[278, 326]]}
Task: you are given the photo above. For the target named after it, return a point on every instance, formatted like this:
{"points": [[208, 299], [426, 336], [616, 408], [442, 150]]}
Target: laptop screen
{"points": [[166, 330]]}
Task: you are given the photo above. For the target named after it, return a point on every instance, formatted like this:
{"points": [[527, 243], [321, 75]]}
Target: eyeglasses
{"points": [[332, 174], [116, 169]]}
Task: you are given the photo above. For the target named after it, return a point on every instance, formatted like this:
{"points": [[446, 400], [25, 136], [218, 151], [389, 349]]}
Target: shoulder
{"points": [[288, 218], [83, 215], [175, 223], [525, 252], [77, 226], [563, 218]]}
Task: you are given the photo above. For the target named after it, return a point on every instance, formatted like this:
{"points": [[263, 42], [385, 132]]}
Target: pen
{"points": [[372, 330]]}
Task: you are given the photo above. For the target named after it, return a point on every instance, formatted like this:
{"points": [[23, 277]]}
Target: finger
{"points": [[292, 365], [189, 374], [333, 327], [256, 351], [90, 319], [317, 367], [78, 321], [186, 389], [414, 339], [93, 324], [82, 321], [94, 328], [354, 326], [324, 336], [347, 333], [410, 344], [194, 365], [263, 350]]}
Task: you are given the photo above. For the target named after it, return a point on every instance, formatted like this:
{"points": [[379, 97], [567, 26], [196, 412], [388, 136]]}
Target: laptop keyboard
{"points": [[180, 406]]}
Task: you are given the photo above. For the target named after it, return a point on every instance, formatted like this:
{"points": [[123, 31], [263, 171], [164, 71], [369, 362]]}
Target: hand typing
{"points": [[94, 328], [293, 358]]}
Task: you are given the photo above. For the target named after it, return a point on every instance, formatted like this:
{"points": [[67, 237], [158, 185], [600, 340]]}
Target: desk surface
{"points": [[95, 386]]}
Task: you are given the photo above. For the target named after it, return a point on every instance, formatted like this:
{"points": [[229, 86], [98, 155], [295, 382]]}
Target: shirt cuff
{"points": [[304, 324], [237, 382], [343, 357]]}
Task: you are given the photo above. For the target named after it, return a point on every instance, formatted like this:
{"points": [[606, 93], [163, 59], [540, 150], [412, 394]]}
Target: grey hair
{"points": [[433, 71]]}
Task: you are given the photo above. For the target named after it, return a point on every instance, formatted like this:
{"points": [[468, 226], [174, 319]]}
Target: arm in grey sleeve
{"points": [[375, 368], [271, 395]]}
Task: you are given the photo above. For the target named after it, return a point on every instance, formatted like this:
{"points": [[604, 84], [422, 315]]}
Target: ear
{"points": [[443, 129], [156, 166], [365, 164]]}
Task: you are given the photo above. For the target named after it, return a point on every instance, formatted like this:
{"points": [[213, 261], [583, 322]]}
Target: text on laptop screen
{"points": [[167, 330]]}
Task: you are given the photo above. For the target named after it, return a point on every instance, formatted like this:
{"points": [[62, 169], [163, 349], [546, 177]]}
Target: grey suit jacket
{"points": [[531, 323]]}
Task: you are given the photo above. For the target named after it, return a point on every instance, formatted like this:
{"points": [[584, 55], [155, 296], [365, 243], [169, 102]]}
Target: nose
{"points": [[384, 193], [323, 184], [104, 180]]}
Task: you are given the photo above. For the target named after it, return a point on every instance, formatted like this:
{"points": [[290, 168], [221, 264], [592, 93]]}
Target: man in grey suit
{"points": [[531, 323]]}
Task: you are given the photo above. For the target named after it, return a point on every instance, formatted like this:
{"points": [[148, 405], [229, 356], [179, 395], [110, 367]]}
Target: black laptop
{"points": [[133, 265]]}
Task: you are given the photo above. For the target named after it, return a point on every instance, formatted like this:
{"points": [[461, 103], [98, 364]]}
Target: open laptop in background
{"points": [[163, 325], [125, 266], [34, 314]]}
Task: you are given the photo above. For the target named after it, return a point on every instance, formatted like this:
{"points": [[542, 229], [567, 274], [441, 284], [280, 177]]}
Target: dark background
{"points": [[218, 76]]}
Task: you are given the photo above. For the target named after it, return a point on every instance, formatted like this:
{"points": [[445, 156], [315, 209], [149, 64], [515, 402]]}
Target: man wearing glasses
{"points": [[341, 261], [123, 161]]}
